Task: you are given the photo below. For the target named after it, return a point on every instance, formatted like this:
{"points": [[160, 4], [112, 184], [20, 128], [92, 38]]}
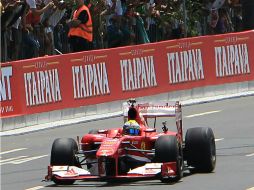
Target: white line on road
{"points": [[249, 155], [20, 159], [216, 140], [35, 188], [252, 188], [204, 113], [11, 159], [27, 159], [10, 151]]}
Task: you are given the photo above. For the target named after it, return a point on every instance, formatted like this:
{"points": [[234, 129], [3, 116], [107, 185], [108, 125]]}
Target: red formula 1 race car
{"points": [[134, 150]]}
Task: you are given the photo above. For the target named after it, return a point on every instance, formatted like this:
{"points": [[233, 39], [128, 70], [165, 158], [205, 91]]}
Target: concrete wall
{"points": [[86, 113]]}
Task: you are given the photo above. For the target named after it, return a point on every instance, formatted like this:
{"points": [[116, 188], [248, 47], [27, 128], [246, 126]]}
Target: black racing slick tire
{"points": [[167, 149], [200, 149], [63, 153]]}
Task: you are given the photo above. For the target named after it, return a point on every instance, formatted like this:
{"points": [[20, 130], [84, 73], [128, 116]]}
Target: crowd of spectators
{"points": [[31, 29]]}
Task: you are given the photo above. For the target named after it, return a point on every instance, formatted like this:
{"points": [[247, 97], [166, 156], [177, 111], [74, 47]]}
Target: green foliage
{"points": [[194, 10], [195, 13]]}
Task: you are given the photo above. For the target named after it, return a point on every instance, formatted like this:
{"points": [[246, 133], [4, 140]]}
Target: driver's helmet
{"points": [[131, 127]]}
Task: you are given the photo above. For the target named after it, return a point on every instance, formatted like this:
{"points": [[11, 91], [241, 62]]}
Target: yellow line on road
{"points": [[252, 188]]}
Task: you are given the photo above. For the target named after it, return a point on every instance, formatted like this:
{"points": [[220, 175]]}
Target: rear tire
{"points": [[63, 153], [200, 149], [167, 149]]}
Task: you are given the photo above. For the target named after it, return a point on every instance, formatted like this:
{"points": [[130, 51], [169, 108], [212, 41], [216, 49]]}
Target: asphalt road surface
{"points": [[24, 158]]}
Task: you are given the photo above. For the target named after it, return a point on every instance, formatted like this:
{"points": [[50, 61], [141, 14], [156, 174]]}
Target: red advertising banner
{"points": [[80, 79]]}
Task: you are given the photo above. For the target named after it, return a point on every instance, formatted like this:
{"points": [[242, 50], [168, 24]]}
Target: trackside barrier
{"points": [[77, 85]]}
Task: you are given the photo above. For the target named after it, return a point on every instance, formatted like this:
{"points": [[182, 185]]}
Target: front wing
{"points": [[149, 170]]}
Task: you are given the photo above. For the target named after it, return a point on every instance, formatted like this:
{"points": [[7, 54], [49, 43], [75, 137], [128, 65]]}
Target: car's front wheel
{"points": [[63, 153], [167, 149]]}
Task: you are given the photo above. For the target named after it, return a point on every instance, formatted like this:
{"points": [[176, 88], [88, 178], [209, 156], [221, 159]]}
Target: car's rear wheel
{"points": [[63, 153], [200, 149], [167, 149]]}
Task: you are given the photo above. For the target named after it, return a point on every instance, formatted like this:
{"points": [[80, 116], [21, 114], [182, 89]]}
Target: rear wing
{"points": [[158, 109]]}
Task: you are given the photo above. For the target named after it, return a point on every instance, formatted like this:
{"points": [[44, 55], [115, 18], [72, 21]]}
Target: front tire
{"points": [[200, 149], [167, 149], [63, 153]]}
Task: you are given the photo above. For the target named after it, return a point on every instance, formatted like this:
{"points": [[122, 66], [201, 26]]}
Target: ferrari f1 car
{"points": [[140, 152]]}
